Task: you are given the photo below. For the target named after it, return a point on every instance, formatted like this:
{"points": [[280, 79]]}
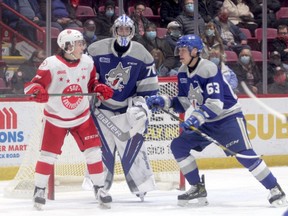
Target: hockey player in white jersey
{"points": [[218, 114], [128, 68], [69, 72]]}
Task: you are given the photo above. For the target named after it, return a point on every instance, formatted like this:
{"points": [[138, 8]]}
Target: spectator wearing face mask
{"points": [[211, 40], [273, 66], [187, 19], [233, 38], [280, 44], [89, 32], [105, 20], [150, 41], [140, 21], [218, 58], [247, 71]]}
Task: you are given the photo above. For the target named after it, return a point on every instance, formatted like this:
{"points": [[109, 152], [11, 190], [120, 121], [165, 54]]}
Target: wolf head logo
{"points": [[118, 76], [195, 94]]}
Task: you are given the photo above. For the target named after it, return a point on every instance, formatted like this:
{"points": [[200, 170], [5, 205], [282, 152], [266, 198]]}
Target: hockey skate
{"points": [[39, 198], [141, 196], [277, 197], [195, 196], [103, 197]]}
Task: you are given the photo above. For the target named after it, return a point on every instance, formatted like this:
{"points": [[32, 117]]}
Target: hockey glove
{"points": [[196, 119], [40, 94], [155, 102], [103, 91]]}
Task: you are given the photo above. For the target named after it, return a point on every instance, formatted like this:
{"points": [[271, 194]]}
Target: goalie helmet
{"points": [[68, 37], [190, 41], [125, 21]]}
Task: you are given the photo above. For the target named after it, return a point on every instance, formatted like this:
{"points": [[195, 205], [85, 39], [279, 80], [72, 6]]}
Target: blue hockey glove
{"points": [[196, 119], [155, 102]]}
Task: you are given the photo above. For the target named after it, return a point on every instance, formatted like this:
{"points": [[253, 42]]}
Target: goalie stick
{"points": [[212, 140], [263, 105], [50, 95]]}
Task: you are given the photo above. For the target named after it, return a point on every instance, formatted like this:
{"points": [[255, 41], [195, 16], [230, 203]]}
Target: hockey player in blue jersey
{"points": [[129, 69], [218, 114]]}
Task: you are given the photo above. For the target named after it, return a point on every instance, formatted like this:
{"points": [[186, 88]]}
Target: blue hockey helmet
{"points": [[190, 41]]}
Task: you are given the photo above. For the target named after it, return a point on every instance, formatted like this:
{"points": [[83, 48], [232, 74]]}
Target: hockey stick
{"points": [[263, 105], [212, 140], [50, 95]]}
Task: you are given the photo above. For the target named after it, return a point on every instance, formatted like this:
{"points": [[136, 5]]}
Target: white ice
{"points": [[232, 192]]}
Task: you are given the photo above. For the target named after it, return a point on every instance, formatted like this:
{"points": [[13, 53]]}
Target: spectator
{"points": [[211, 40], [239, 14], [187, 20], [280, 44], [139, 20], [174, 32], [29, 9], [233, 38], [209, 9], [273, 66], [247, 71], [217, 58], [169, 10], [272, 7], [89, 29], [63, 14], [280, 85], [150, 41], [27, 71], [104, 20]]}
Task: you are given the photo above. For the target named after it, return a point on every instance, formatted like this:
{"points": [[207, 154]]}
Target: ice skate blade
{"points": [[198, 202], [38, 206], [280, 203]]}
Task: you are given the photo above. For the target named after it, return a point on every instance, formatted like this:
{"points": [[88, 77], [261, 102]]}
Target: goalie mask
{"points": [[123, 30], [66, 39]]}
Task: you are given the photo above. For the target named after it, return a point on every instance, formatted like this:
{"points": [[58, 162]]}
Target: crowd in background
{"points": [[220, 24]]}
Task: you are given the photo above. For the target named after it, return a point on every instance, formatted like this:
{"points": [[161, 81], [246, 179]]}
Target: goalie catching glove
{"points": [[196, 119], [40, 95], [155, 102], [103, 91]]}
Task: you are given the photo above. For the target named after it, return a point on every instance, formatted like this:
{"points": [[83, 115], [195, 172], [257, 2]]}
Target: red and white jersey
{"points": [[58, 76]]}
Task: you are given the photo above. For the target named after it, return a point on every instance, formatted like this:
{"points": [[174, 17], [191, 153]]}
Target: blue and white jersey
{"points": [[206, 90], [132, 74]]}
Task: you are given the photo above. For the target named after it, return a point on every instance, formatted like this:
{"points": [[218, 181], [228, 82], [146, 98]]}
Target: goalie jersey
{"points": [[207, 90], [132, 74]]}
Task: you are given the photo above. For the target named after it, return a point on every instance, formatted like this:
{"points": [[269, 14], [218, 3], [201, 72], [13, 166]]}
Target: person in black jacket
{"points": [[280, 44], [169, 10]]}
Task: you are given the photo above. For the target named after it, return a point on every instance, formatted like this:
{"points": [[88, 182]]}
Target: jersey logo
{"points": [[71, 102], [118, 76], [195, 94]]}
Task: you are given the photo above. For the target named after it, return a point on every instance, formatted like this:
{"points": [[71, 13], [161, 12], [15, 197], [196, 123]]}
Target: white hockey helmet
{"points": [[68, 37], [125, 21]]}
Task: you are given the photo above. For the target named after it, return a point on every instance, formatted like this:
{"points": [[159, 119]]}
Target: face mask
{"points": [[223, 17], [175, 33], [189, 8], [89, 34], [215, 60], [245, 59], [151, 35], [210, 32], [109, 13]]}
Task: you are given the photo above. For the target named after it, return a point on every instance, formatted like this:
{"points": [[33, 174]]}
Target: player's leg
{"points": [[237, 140], [88, 140], [181, 147], [48, 156]]}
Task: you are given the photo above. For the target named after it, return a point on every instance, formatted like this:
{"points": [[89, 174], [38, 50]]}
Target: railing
{"points": [[14, 32]]}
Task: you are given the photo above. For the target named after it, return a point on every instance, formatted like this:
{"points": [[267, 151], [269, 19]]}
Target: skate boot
{"points": [[141, 196], [39, 198], [277, 197], [195, 196], [103, 197]]}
